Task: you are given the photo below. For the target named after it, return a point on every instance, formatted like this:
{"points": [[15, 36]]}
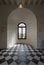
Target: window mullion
{"points": [[21, 32]]}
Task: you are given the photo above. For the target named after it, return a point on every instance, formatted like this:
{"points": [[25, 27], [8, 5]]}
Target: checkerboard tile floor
{"points": [[21, 54]]}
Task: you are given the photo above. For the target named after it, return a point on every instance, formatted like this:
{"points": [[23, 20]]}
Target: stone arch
{"points": [[16, 16]]}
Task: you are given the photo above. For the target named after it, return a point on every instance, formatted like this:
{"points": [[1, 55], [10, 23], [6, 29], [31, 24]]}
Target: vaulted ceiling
{"points": [[25, 2]]}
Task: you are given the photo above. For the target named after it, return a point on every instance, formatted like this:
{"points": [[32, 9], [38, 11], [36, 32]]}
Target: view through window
{"points": [[22, 30]]}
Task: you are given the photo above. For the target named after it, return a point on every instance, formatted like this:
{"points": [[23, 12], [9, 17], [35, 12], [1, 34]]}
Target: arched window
{"points": [[21, 30]]}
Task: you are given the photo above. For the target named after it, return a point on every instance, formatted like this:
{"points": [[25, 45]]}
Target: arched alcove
{"points": [[15, 17]]}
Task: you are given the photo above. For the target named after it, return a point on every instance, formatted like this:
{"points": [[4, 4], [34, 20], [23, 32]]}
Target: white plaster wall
{"points": [[17, 16]]}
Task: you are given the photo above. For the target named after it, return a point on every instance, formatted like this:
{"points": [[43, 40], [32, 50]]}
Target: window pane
{"points": [[23, 32], [19, 32], [22, 25]]}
